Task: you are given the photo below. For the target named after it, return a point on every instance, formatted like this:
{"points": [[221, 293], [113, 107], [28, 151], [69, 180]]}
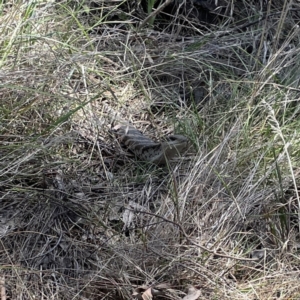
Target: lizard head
{"points": [[174, 145]]}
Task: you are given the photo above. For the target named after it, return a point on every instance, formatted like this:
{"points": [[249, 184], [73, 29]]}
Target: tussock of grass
{"points": [[82, 219]]}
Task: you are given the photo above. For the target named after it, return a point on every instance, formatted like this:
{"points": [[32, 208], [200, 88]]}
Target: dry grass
{"points": [[81, 219]]}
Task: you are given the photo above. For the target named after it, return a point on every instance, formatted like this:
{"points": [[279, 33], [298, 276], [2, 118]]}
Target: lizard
{"points": [[146, 149]]}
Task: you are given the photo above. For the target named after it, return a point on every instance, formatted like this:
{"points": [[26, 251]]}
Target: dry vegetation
{"points": [[82, 219]]}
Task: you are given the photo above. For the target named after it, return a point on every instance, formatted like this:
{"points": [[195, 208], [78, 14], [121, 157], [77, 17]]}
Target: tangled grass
{"points": [[82, 219]]}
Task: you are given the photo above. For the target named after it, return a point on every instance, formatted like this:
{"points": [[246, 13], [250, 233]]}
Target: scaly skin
{"points": [[148, 150]]}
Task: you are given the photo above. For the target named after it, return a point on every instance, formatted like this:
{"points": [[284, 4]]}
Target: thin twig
{"points": [[153, 14], [191, 241]]}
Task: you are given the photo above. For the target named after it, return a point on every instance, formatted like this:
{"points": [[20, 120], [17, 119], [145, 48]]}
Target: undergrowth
{"points": [[81, 218]]}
